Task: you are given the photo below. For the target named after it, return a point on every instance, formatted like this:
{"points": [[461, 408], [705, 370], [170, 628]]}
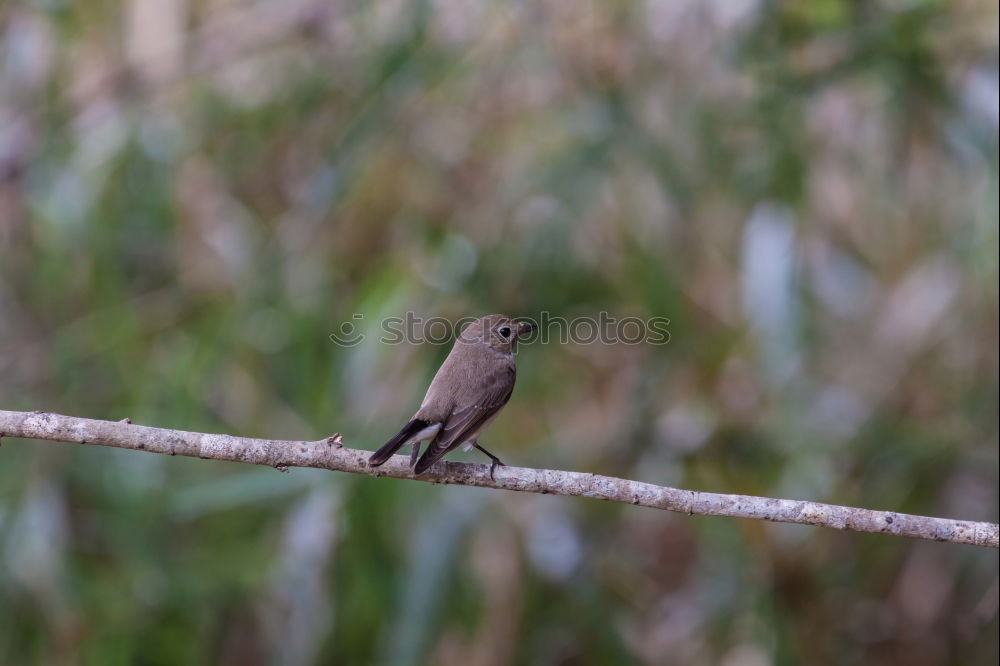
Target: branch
{"points": [[330, 454]]}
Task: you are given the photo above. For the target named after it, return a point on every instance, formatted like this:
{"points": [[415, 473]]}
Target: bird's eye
{"points": [[504, 331]]}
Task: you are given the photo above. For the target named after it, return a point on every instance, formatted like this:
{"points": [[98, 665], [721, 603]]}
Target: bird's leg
{"points": [[414, 453], [496, 461]]}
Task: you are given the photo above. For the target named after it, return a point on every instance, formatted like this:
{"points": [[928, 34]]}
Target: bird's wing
{"points": [[473, 408]]}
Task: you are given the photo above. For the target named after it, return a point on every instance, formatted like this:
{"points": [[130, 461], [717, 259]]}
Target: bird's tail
{"points": [[398, 440]]}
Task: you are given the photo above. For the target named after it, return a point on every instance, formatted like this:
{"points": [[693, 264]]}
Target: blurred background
{"points": [[195, 194]]}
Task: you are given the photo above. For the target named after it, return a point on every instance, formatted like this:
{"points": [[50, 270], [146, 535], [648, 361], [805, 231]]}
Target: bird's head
{"points": [[498, 332]]}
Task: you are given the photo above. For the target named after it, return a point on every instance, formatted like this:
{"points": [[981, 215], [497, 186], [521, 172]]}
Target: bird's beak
{"points": [[525, 328]]}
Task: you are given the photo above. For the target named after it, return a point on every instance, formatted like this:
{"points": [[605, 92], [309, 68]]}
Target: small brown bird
{"points": [[468, 391]]}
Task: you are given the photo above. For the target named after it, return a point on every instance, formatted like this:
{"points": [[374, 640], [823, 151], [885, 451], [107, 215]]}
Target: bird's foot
{"points": [[493, 466], [496, 462]]}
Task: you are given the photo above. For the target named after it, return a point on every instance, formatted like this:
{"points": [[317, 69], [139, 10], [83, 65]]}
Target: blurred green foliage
{"points": [[194, 195]]}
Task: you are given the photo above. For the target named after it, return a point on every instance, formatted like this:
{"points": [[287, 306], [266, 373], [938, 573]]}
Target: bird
{"points": [[468, 391]]}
